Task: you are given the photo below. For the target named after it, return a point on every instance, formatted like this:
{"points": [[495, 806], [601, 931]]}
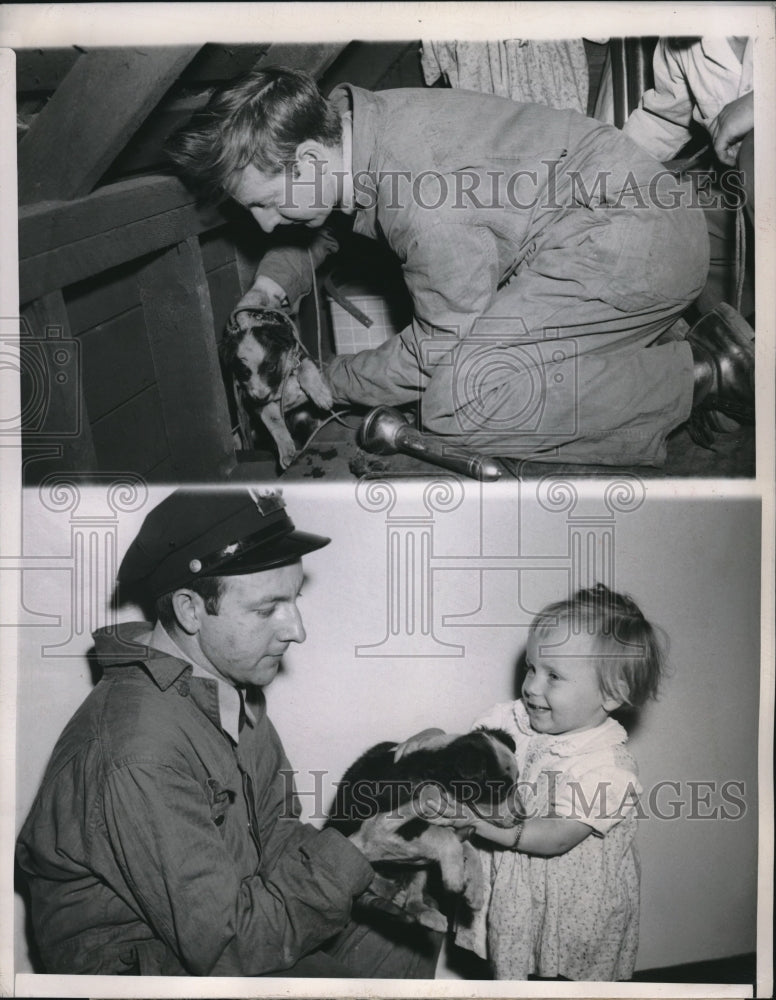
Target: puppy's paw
{"points": [[314, 385], [286, 456], [432, 918]]}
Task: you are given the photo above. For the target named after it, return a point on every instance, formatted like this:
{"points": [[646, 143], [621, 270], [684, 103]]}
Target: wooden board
{"points": [[218, 63], [102, 297], [117, 362], [40, 70], [225, 292], [91, 116], [132, 437], [68, 264], [217, 249], [366, 63], [54, 411], [313, 58], [45, 226], [179, 320]]}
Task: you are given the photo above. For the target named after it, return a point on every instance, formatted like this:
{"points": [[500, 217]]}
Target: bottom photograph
{"points": [[413, 729]]}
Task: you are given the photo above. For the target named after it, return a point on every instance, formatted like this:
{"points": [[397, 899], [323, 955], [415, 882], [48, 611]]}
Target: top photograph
{"points": [[508, 258]]}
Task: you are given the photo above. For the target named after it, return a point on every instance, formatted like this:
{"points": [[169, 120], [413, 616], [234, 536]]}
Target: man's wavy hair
{"points": [[261, 120], [629, 658]]}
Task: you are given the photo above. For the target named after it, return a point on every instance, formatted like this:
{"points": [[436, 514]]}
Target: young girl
{"points": [[564, 883]]}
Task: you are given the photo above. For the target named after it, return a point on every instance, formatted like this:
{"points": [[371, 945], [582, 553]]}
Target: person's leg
{"points": [[559, 369]]}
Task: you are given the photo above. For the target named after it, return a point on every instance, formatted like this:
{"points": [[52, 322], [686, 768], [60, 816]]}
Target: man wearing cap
{"points": [[165, 838]]}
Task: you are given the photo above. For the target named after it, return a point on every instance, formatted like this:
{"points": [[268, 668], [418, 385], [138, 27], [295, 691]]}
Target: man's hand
{"points": [[263, 294], [379, 839], [440, 809], [730, 126]]}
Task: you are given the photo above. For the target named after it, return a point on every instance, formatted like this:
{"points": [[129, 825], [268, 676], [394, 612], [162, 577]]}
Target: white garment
{"points": [[551, 73], [692, 82], [576, 914]]}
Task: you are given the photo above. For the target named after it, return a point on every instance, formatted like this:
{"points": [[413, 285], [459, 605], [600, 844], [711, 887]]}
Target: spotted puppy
{"points": [[478, 769], [262, 351]]}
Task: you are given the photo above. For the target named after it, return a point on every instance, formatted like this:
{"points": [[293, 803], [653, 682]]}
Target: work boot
{"points": [[722, 344]]}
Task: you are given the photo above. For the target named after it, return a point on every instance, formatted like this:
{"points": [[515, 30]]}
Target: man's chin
{"points": [[266, 672]]}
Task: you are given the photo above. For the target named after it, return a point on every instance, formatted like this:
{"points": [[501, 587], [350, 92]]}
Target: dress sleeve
{"points": [[661, 124], [501, 716], [598, 794], [172, 857]]}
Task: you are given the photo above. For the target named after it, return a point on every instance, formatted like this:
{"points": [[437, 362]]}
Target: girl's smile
{"points": [[561, 690]]}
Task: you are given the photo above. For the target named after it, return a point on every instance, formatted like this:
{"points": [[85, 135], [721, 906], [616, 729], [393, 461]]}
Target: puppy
{"points": [[477, 769], [262, 352]]}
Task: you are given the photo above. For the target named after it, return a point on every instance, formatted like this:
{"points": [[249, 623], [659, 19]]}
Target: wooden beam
{"points": [[314, 58], [47, 225], [41, 70], [113, 226], [179, 320], [54, 410], [219, 63], [91, 116], [365, 64]]}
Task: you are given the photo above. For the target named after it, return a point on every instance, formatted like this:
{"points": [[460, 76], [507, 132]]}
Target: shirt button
{"points": [[183, 688]]}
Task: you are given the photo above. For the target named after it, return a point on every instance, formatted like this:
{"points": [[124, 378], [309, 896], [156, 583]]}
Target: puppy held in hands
{"points": [[477, 769], [262, 352]]}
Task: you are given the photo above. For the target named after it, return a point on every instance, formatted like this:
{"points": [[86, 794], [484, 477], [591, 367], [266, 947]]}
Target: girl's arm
{"points": [[543, 836]]}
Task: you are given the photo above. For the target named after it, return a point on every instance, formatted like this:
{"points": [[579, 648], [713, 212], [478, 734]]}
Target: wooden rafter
{"points": [[91, 116]]}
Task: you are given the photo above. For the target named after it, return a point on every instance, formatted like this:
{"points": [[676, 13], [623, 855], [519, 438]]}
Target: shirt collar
{"points": [[230, 699], [348, 191], [365, 128]]}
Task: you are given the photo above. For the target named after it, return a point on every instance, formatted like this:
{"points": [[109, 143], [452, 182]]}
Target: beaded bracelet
{"points": [[520, 827]]}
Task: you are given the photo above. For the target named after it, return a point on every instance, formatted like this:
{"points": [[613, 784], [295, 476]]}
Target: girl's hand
{"points": [[438, 808], [426, 739]]}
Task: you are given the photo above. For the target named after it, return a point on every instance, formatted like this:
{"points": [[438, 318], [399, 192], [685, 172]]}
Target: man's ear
{"points": [[311, 149], [611, 704], [187, 606]]}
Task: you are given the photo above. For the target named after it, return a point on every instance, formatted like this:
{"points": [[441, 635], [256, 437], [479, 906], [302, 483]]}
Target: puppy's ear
{"points": [[313, 384]]}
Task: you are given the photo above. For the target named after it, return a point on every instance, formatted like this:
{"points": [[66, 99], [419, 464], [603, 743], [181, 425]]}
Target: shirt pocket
{"points": [[220, 799]]}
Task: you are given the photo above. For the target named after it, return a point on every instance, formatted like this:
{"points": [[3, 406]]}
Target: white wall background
{"points": [[692, 566]]}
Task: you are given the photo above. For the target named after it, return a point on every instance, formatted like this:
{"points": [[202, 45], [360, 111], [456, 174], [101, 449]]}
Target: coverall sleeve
{"points": [[661, 124], [291, 266], [451, 272], [173, 858]]}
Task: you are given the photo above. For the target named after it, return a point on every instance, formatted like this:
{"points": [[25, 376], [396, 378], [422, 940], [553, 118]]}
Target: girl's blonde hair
{"points": [[630, 658]]}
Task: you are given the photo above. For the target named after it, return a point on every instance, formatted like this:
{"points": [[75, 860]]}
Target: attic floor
{"points": [[334, 455]]}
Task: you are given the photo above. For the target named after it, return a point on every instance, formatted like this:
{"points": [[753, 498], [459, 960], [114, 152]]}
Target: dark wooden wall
{"points": [[125, 282]]}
